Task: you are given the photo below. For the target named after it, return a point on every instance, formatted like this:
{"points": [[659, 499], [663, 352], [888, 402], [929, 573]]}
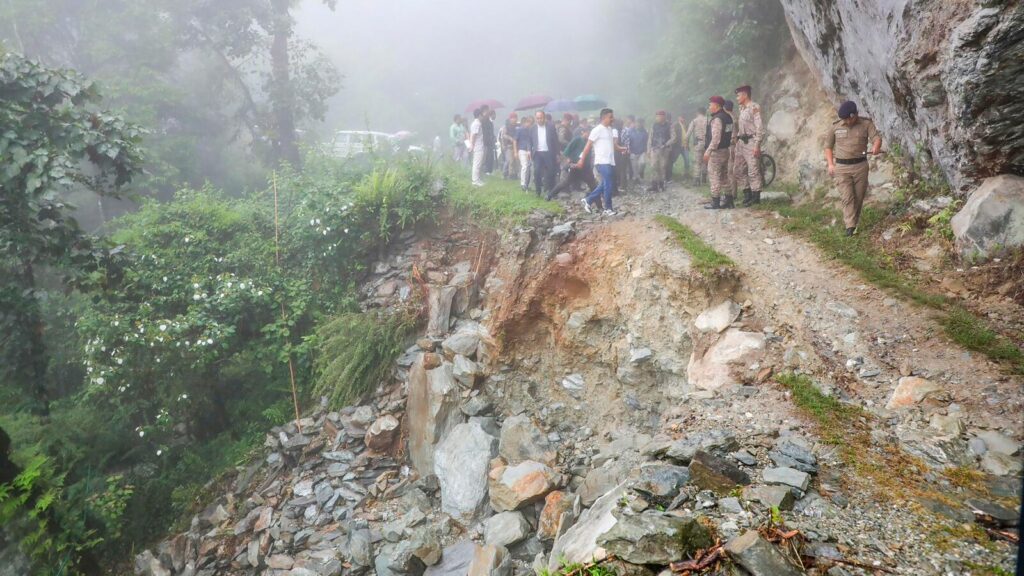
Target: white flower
{"points": [[187, 239], [312, 221], [229, 284], [99, 380], [163, 327], [197, 297], [165, 278], [346, 230], [260, 293], [241, 286], [142, 433], [120, 361], [195, 285], [159, 452], [116, 323], [209, 341]]}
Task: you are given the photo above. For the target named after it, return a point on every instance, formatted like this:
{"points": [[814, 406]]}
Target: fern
{"points": [[356, 351]]}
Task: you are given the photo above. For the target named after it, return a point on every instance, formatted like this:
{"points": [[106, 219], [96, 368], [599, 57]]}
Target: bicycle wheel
{"points": [[767, 169]]}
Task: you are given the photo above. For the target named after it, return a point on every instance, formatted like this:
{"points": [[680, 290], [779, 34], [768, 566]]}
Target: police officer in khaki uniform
{"points": [[733, 177], [846, 154], [749, 136], [719, 138]]}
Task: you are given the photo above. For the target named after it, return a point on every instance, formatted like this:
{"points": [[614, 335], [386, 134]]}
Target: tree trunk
{"points": [[281, 94], [35, 371]]}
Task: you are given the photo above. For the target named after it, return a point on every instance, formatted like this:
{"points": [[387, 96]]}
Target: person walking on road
{"points": [[847, 155], [676, 150], [637, 145], [507, 138], [604, 141], [749, 136], [544, 144], [719, 137], [584, 175]]}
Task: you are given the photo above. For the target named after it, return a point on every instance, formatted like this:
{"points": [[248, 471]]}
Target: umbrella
{"points": [[590, 102], [531, 102], [561, 106], [491, 103]]}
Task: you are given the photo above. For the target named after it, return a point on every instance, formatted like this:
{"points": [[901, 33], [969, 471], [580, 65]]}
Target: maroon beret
{"points": [[717, 100]]}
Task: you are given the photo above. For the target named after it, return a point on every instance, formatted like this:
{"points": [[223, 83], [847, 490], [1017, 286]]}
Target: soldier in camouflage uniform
{"points": [[730, 187], [698, 126], [750, 136], [718, 137]]}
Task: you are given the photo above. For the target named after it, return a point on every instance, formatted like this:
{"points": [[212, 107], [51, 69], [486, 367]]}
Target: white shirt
{"points": [[542, 138], [476, 129], [603, 139]]}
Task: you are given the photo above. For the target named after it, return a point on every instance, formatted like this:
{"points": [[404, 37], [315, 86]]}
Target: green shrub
{"points": [[356, 351]]}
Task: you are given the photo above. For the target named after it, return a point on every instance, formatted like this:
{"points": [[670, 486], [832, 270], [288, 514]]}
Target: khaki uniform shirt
{"points": [[750, 124], [851, 142], [698, 127]]}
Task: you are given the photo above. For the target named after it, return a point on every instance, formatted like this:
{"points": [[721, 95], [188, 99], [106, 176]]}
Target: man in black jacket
{"points": [[546, 153]]}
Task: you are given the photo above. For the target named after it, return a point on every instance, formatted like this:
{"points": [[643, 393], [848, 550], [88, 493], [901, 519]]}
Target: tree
{"points": [[53, 138], [713, 47]]}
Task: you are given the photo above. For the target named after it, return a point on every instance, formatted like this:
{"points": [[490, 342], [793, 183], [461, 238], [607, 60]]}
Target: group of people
{"points": [[727, 144]]}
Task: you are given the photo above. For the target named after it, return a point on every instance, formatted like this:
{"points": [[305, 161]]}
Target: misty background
{"points": [[411, 65]]}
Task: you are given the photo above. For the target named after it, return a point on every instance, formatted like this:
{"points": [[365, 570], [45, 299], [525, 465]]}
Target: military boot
{"points": [[729, 202], [716, 204], [755, 197], [748, 197]]}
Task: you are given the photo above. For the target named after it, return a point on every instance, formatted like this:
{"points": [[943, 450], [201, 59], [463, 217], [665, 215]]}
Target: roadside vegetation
{"points": [[705, 258], [497, 202], [814, 220]]}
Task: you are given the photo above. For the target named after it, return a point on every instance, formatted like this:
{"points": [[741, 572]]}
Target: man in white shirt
{"points": [[476, 144], [604, 140]]}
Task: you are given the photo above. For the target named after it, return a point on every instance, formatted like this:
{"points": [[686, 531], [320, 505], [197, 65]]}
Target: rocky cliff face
{"points": [[945, 76]]}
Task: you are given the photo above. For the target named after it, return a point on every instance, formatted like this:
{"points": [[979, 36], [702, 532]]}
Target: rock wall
{"points": [[946, 76]]}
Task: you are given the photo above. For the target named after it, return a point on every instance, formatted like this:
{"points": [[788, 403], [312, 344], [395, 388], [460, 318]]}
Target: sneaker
{"points": [[609, 213], [586, 206]]}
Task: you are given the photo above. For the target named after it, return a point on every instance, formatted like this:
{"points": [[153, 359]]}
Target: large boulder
{"points": [[432, 410], [945, 77], [992, 220], [506, 529], [654, 538], [455, 560], [579, 543], [735, 348], [522, 439], [490, 560], [439, 301], [461, 464], [717, 318], [556, 517], [513, 486], [759, 557], [911, 391]]}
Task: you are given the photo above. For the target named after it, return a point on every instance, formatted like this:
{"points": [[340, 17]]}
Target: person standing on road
{"points": [[544, 144], [750, 136], [846, 153], [637, 145], [660, 148], [696, 132], [524, 151], [731, 180], [676, 150], [507, 138], [476, 144], [457, 135], [487, 122], [584, 175], [604, 142], [719, 137]]}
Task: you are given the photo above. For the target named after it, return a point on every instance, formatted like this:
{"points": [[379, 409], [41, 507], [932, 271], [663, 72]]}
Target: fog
{"points": [[412, 64]]}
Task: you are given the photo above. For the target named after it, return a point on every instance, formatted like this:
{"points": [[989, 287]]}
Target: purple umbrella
{"points": [[531, 102], [560, 106], [490, 103]]}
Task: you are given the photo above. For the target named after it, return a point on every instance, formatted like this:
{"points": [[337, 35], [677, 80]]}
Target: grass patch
{"points": [[356, 351], [705, 257], [498, 201], [834, 418], [815, 222]]}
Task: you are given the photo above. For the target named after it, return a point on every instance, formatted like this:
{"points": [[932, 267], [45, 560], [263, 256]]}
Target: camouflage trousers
{"points": [[718, 172]]}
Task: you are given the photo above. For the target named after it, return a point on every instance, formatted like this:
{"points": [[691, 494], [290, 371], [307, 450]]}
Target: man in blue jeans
{"points": [[605, 141]]}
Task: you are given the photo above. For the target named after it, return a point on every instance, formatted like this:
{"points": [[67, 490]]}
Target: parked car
{"points": [[349, 143]]}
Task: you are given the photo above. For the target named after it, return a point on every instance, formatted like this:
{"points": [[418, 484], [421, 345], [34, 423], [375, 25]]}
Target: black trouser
{"points": [[545, 168], [488, 160], [672, 157], [583, 175]]}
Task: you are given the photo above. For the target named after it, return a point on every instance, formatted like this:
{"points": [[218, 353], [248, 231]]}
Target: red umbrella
{"points": [[491, 103], [531, 102]]}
